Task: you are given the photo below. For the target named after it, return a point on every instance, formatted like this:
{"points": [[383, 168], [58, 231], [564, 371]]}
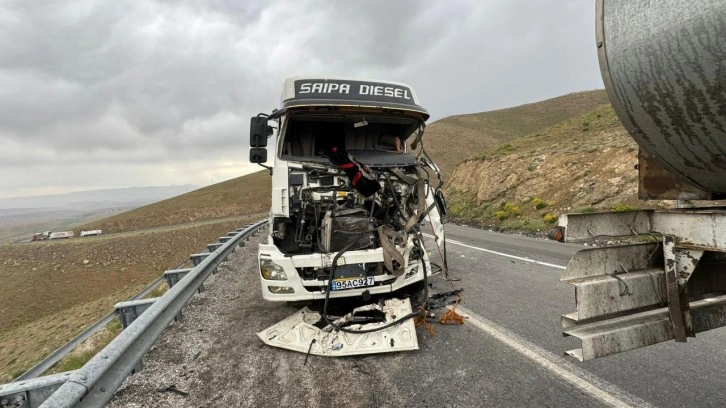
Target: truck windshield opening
{"points": [[313, 136]]}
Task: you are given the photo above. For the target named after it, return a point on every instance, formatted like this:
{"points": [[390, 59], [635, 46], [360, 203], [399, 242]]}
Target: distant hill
{"points": [[20, 217], [95, 199], [242, 195], [453, 139]]}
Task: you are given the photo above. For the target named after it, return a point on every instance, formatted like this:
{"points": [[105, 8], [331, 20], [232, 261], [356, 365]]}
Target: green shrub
{"points": [[512, 209], [464, 205], [539, 203], [159, 290], [620, 207], [550, 218], [75, 361], [18, 372]]}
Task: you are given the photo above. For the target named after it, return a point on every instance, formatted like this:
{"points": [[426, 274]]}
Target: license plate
{"points": [[352, 283]]}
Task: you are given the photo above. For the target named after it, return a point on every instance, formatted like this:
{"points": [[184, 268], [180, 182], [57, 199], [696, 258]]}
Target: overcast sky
{"points": [[104, 94]]}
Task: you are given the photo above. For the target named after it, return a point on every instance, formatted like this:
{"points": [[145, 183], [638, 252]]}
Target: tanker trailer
{"points": [[664, 68]]}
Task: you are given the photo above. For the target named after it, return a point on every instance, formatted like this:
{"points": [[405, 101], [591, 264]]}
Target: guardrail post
{"points": [[198, 258], [32, 392], [173, 276], [130, 311], [213, 247], [224, 239]]}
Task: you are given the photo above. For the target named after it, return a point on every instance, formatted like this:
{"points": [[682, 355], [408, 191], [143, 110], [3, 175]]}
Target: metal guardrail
{"points": [[94, 384], [57, 355], [53, 358]]}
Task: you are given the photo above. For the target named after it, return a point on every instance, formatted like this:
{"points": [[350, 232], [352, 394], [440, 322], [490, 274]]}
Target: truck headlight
{"points": [[271, 271]]}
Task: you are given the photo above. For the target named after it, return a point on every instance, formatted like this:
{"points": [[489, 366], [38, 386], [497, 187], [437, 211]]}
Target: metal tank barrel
{"points": [[664, 67]]}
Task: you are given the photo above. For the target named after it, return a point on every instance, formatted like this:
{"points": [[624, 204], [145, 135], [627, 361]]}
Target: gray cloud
{"points": [[98, 94]]}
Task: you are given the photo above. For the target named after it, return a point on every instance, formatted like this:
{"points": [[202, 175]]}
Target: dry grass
{"points": [[51, 295], [451, 140], [89, 348], [25, 345], [52, 290]]}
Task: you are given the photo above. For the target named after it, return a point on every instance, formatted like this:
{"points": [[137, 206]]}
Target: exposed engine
{"points": [[328, 214]]}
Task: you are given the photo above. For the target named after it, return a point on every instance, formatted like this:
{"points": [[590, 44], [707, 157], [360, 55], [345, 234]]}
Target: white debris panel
{"points": [[300, 333]]}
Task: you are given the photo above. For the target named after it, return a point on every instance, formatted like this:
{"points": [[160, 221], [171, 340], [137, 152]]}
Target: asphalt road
{"points": [[528, 299], [508, 353]]}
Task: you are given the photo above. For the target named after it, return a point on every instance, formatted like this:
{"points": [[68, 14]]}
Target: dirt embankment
{"points": [[53, 289]]}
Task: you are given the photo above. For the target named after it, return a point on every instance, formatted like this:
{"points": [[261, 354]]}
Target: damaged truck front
{"points": [[348, 197]]}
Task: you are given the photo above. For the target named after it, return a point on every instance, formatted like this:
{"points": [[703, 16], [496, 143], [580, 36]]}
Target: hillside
{"points": [[54, 289], [584, 163], [456, 138], [60, 287], [242, 195]]}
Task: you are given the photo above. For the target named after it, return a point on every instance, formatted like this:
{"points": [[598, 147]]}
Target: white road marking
{"points": [[584, 381], [451, 241]]}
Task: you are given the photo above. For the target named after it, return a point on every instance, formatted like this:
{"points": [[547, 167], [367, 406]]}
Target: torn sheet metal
{"points": [[298, 331]]}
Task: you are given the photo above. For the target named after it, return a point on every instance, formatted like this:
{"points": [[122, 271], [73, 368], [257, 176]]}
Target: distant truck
{"points": [[348, 196], [60, 234], [91, 233], [662, 63]]}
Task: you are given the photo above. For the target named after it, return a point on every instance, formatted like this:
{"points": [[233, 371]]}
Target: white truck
{"points": [[662, 63], [60, 234], [348, 197]]}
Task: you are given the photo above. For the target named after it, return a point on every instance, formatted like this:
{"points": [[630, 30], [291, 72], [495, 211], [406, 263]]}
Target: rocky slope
{"points": [[584, 163], [456, 138]]}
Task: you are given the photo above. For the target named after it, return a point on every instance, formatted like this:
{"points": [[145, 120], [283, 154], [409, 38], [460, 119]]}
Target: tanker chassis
{"points": [[662, 65]]}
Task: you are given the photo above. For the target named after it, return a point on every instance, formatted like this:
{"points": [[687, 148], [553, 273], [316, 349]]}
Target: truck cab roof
{"points": [[307, 92]]}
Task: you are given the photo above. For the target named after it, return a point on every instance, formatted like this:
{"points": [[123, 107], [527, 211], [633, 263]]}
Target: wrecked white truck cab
{"points": [[348, 197]]}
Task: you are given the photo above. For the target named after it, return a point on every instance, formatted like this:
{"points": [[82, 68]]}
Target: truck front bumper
{"points": [[294, 288]]}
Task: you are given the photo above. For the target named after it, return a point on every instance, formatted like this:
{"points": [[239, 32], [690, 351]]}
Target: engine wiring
{"points": [[399, 204], [422, 314]]}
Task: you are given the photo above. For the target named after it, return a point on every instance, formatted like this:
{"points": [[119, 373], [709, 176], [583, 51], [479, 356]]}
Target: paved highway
{"points": [[509, 353], [528, 299]]}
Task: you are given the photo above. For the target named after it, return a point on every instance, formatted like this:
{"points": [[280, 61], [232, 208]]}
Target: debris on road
{"points": [[375, 323], [172, 388], [451, 317]]}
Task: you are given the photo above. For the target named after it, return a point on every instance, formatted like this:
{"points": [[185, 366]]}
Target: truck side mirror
{"points": [[258, 155], [259, 131]]}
